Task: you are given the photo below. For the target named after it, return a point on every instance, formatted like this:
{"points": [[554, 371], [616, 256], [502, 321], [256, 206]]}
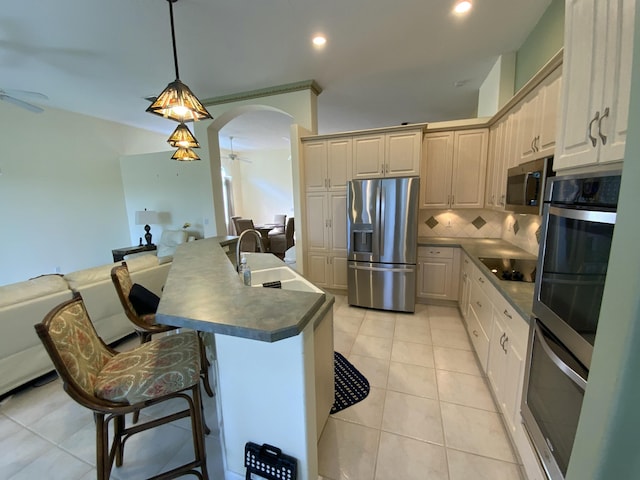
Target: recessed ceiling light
{"points": [[319, 40], [463, 6]]}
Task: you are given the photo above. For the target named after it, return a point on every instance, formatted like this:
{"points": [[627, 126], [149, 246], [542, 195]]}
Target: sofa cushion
{"points": [[142, 262], [30, 289], [89, 275], [143, 301], [169, 240]]}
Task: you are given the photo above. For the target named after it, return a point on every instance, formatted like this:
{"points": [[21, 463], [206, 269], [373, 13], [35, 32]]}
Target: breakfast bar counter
{"points": [[273, 368]]}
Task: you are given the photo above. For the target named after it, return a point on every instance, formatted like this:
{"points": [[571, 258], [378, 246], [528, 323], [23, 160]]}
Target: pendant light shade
{"points": [[182, 137], [177, 101], [185, 155]]}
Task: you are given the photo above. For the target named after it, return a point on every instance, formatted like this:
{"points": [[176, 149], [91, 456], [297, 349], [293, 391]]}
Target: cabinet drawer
{"points": [[481, 305], [435, 252], [479, 338], [517, 326]]}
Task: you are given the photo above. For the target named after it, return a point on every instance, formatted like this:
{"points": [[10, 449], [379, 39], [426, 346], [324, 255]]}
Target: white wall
{"points": [[178, 191], [265, 187], [62, 203]]}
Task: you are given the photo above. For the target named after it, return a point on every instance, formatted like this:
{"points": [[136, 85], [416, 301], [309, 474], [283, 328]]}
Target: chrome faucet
{"points": [[260, 245]]}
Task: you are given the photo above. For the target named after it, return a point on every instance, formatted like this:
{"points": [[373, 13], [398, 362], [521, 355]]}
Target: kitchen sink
{"points": [[289, 280], [512, 269], [274, 274]]}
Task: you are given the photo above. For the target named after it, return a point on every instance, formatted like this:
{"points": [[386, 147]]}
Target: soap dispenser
{"points": [[245, 271]]}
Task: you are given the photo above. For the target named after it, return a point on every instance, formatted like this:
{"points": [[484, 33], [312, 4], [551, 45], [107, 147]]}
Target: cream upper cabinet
{"points": [[339, 163], [454, 169], [537, 117], [393, 154], [598, 50], [315, 165], [403, 151], [435, 177], [327, 164], [469, 168], [368, 156]]}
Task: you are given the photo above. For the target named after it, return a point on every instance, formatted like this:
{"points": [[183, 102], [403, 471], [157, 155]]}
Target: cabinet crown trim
{"points": [[398, 128]]}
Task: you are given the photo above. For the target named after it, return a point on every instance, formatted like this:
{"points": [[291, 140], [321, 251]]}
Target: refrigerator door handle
{"points": [[383, 209], [379, 269]]}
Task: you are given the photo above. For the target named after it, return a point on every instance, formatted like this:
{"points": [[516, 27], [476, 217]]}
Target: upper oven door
{"points": [[571, 274]]}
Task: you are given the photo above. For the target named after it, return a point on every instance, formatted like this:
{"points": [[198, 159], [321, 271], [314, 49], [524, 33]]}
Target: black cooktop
{"points": [[512, 269]]}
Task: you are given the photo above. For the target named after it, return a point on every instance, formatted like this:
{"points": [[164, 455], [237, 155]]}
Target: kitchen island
{"points": [[273, 351]]}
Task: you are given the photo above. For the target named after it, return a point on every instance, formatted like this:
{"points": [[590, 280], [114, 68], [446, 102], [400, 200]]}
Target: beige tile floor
{"points": [[429, 414]]}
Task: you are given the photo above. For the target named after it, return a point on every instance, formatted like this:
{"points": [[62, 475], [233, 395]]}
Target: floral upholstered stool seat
{"points": [[113, 383]]}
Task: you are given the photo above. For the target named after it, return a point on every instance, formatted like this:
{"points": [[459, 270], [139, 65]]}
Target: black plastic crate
{"points": [[269, 462]]}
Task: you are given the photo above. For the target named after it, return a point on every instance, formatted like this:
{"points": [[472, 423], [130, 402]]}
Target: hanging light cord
{"points": [[173, 38]]}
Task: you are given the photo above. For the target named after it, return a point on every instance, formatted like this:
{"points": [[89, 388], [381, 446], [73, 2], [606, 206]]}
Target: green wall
{"points": [[543, 42]]}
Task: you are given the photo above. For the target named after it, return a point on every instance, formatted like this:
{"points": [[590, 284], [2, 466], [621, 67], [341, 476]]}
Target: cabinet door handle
{"points": [[466, 261], [502, 338], [594, 140], [603, 137], [453, 200], [533, 148], [506, 313], [504, 345], [329, 182], [475, 333], [481, 280], [478, 303]]}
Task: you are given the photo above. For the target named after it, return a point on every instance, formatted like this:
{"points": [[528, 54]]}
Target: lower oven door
{"points": [[554, 388]]}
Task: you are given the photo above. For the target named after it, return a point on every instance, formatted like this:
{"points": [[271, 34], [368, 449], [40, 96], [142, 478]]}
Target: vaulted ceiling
{"points": [[384, 62]]}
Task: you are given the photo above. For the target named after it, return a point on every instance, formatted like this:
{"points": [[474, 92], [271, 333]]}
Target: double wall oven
{"points": [[579, 217]]}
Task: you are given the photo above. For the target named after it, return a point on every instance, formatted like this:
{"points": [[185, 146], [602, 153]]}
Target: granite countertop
{"points": [[204, 292], [518, 294]]}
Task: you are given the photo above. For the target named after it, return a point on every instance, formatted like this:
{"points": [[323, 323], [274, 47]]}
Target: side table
{"points": [[119, 253]]}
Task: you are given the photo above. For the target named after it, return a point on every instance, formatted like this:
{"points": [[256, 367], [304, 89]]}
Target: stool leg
{"points": [[204, 368]]}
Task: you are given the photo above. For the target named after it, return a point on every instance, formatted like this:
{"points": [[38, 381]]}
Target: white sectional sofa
{"points": [[23, 304]]}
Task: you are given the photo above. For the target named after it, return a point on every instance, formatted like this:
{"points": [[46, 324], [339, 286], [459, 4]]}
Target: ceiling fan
{"points": [[11, 96], [234, 156]]}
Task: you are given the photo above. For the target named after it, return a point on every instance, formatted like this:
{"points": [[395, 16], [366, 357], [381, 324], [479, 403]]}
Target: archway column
{"points": [[301, 106]]}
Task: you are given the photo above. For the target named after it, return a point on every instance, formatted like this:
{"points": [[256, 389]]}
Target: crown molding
{"points": [[265, 92]]}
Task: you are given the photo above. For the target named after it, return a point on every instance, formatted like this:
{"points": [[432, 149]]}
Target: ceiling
{"points": [[384, 62]]}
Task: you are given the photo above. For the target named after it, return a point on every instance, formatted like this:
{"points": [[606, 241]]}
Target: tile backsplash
{"points": [[520, 230]]}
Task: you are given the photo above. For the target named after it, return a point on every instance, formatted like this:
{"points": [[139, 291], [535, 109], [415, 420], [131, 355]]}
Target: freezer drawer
{"points": [[382, 286]]}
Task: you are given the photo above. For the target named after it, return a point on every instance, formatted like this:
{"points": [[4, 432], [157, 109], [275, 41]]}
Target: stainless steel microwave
{"points": [[525, 186]]}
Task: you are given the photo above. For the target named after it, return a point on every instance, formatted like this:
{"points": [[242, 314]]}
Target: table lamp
{"points": [[145, 217]]}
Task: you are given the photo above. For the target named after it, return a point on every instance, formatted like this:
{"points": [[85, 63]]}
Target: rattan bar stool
{"points": [[146, 325], [112, 383]]}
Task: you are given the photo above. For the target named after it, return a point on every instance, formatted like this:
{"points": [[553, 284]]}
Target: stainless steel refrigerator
{"points": [[382, 231]]}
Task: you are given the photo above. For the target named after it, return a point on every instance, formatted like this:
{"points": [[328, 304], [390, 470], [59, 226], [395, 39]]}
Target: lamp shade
{"points": [[178, 103], [185, 155], [182, 137], [147, 217]]}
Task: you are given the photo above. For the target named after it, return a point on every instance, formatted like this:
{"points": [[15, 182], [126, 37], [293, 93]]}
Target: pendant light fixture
{"points": [[177, 102], [182, 137], [185, 155]]}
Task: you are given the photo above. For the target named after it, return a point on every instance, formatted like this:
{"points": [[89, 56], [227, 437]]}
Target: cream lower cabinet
{"points": [[465, 285], [438, 273], [499, 336], [326, 238], [454, 168]]}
